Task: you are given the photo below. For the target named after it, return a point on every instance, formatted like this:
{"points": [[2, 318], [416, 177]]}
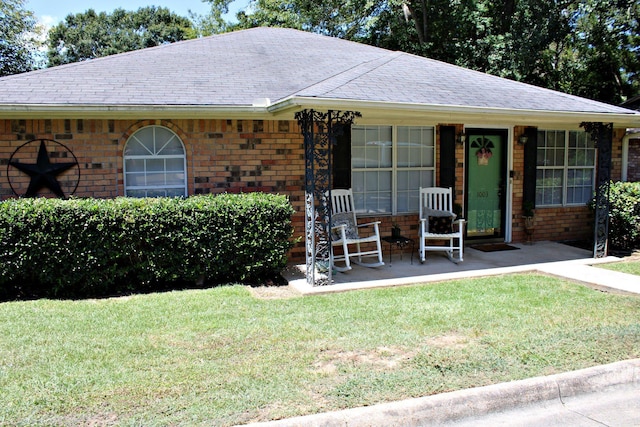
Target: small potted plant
{"points": [[395, 230], [529, 218]]}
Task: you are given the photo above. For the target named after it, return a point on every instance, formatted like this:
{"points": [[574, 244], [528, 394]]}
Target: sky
{"points": [[50, 12]]}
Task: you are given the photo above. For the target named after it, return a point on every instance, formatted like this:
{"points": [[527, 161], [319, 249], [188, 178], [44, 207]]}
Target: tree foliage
{"points": [[589, 48], [91, 35], [18, 38]]}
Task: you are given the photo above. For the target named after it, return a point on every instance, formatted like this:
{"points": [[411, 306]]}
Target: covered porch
{"points": [[400, 269]]}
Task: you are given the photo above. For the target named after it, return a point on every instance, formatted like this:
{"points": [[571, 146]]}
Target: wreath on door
{"points": [[483, 152]]}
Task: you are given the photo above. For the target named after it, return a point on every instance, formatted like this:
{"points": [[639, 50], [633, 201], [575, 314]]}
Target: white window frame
{"points": [[394, 169], [154, 154], [565, 167]]}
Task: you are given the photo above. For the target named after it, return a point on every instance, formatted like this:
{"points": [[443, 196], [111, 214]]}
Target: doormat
{"points": [[493, 247]]}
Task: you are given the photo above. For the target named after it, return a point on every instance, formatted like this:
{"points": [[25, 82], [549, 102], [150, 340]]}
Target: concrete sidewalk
{"points": [[545, 257], [606, 395]]}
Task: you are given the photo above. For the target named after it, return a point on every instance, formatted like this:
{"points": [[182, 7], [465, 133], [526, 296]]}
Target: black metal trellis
{"points": [[602, 135], [320, 131]]}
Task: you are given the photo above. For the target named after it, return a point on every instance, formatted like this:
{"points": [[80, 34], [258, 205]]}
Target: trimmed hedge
{"points": [[82, 248], [624, 215]]}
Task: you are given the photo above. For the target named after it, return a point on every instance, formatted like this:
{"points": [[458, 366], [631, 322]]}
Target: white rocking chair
{"points": [[438, 223], [344, 233]]}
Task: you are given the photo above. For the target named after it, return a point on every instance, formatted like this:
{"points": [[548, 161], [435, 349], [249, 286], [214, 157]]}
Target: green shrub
{"points": [[97, 247], [624, 215]]}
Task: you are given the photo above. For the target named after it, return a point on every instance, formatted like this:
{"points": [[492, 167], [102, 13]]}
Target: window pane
{"points": [[155, 179], [358, 159], [156, 193], [579, 185], [357, 181], [136, 193], [409, 183], [175, 164], [175, 192], [135, 180], [155, 165], [167, 142], [135, 147], [134, 165], [174, 178], [404, 155]]}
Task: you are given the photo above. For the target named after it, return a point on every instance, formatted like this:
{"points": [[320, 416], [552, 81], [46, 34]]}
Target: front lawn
{"points": [[222, 356], [630, 267]]}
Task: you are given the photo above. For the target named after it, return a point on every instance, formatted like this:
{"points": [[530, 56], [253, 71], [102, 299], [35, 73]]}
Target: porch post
{"points": [[602, 135], [319, 131]]}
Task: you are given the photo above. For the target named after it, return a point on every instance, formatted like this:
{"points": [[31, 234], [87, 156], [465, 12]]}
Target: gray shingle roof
{"points": [[235, 69]]}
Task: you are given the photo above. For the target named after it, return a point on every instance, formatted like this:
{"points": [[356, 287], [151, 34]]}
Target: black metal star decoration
{"points": [[43, 173]]}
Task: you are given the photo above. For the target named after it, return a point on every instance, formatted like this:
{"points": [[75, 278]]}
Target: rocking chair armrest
{"points": [[460, 223], [368, 224], [339, 226]]}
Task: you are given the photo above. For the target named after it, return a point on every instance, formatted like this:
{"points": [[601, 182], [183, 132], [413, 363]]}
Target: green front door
{"points": [[485, 195]]}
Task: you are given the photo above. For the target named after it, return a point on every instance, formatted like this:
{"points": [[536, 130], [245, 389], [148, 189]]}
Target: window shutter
{"points": [[530, 161], [341, 159], [448, 157]]}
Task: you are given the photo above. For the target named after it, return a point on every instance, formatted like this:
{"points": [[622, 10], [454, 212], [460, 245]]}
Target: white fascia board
{"points": [[455, 113], [40, 111], [285, 109]]}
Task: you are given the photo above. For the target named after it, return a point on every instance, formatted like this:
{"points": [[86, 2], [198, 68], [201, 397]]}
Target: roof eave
{"points": [[66, 111], [284, 109], [372, 110]]}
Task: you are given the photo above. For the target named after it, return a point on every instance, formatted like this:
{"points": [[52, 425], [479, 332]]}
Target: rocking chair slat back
{"points": [[342, 201], [437, 199]]}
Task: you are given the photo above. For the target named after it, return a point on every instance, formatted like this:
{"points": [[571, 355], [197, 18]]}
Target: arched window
{"points": [[155, 164]]}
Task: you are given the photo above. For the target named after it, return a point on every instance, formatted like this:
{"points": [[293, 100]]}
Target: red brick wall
{"points": [[256, 155], [222, 155]]}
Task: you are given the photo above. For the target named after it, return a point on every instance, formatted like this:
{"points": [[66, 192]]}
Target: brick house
{"points": [[216, 114]]}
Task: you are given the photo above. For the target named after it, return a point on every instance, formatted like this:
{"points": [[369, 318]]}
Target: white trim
{"points": [[153, 156], [458, 113], [565, 168], [379, 110]]}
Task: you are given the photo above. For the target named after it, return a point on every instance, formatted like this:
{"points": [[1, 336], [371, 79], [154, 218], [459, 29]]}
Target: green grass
{"points": [[630, 267], [223, 357]]}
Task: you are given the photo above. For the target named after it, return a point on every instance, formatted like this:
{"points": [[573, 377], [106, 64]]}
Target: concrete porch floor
{"points": [[547, 257]]}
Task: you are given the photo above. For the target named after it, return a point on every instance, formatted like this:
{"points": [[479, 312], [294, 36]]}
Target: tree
{"points": [[213, 22], [18, 38], [603, 55], [91, 35]]}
